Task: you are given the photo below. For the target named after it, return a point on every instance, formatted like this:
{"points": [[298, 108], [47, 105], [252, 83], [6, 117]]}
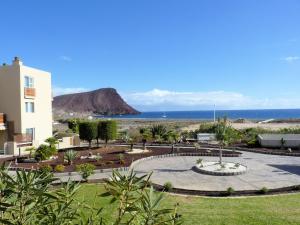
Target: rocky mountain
{"points": [[105, 101]]}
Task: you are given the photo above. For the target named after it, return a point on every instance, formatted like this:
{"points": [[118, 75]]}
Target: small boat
{"points": [[164, 115]]}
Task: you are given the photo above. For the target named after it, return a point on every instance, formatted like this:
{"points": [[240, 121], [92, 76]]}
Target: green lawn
{"points": [[272, 210]]}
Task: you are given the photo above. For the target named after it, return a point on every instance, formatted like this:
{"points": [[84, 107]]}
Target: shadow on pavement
{"points": [[295, 169]]}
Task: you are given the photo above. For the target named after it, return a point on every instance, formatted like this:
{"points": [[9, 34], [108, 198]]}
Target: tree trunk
{"points": [[221, 156]]}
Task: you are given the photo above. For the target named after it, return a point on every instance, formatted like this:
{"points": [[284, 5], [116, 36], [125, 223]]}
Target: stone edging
{"points": [[199, 170], [271, 152], [176, 155], [96, 171], [289, 189]]}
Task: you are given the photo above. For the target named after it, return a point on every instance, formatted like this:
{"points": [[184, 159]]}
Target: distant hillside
{"points": [[104, 101]]}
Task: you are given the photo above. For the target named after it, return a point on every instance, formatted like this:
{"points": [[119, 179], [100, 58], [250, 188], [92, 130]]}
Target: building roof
{"points": [[279, 136]]}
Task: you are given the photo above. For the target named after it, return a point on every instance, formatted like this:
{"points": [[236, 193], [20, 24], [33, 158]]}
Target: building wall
{"points": [[41, 119], [12, 100], [277, 143], [206, 137], [10, 94]]}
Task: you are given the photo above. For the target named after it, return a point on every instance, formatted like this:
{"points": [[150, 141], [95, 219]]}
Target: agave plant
{"points": [[70, 156]]}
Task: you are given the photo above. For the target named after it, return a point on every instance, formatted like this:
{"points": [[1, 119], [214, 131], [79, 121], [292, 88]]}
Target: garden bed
{"points": [[113, 157]]}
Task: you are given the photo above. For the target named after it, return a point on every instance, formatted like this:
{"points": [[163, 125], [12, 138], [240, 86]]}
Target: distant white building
{"points": [[279, 140], [206, 137]]}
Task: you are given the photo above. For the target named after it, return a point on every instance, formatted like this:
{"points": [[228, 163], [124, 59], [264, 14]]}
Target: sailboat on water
{"points": [[164, 115]]}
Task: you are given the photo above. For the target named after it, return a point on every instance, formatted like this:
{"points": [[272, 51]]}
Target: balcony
{"points": [[2, 121], [23, 138], [29, 92]]}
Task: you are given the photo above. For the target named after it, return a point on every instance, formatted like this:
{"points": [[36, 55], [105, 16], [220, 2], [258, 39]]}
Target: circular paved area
{"points": [[269, 171]]}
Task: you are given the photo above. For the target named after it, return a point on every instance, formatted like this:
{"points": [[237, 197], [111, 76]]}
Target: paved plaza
{"points": [[271, 171]]}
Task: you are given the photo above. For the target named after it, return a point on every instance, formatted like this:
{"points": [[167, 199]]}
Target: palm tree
{"points": [[221, 135], [158, 130]]}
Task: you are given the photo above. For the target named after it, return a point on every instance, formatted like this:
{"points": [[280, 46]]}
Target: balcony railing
{"points": [[23, 138], [29, 92]]}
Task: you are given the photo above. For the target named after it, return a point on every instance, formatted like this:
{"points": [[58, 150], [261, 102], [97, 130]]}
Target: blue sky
{"points": [[163, 54]]}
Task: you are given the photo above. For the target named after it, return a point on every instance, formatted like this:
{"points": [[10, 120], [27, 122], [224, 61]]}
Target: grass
{"points": [[268, 210]]}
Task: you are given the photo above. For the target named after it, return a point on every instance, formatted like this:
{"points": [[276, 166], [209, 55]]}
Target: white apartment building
{"points": [[25, 107]]}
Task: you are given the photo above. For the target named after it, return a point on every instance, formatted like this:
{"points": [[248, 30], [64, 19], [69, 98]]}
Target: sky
{"points": [[162, 54]]}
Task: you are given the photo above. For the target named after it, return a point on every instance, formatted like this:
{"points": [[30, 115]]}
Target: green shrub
{"points": [[88, 131], [29, 198], [73, 124], [168, 186], [121, 156], [207, 128], [52, 141], [44, 152], [85, 170], [296, 187], [59, 168], [230, 191], [107, 130], [264, 190], [31, 150], [45, 169]]}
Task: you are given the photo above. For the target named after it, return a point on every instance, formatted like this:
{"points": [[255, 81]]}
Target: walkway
{"points": [[269, 171]]}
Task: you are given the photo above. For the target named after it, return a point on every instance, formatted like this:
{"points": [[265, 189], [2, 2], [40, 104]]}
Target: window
{"points": [[29, 82], [29, 107], [30, 132]]}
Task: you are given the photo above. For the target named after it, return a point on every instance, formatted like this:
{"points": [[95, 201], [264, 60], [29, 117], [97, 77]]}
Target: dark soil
{"points": [[111, 157]]}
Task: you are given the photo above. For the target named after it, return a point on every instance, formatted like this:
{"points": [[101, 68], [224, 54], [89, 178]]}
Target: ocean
{"points": [[262, 114]]}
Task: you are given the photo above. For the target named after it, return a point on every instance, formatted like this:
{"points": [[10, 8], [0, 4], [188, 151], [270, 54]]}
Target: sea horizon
{"points": [[253, 114]]}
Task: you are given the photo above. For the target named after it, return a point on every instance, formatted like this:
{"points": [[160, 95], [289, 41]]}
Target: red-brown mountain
{"points": [[105, 101]]}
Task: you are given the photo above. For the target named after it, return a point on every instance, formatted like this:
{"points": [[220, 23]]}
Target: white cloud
{"points": [[171, 100], [65, 58], [63, 91], [291, 59]]}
